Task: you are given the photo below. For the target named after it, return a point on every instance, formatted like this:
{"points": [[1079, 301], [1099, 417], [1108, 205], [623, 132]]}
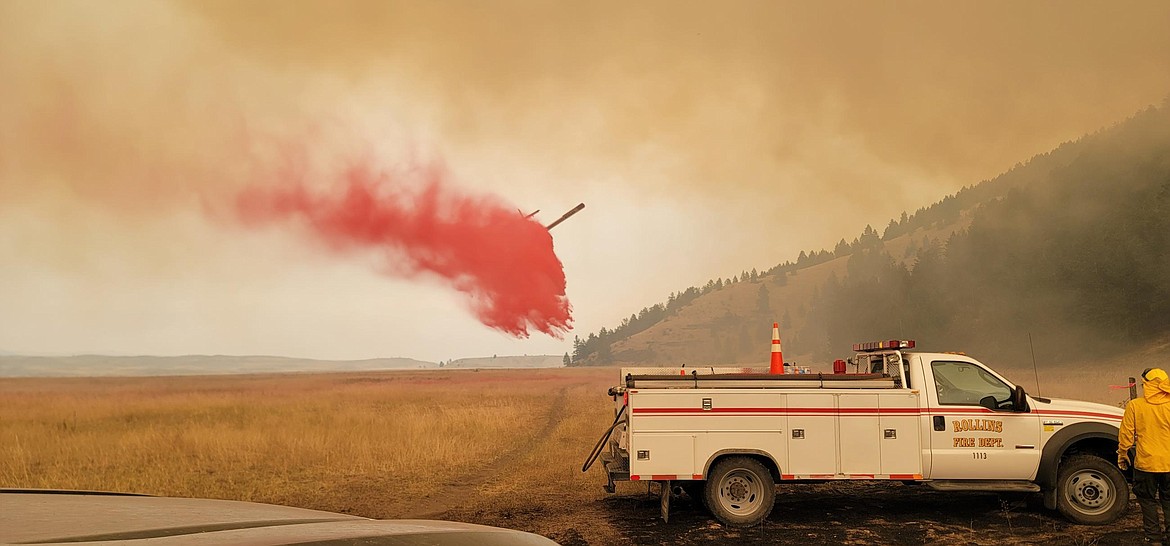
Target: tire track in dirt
{"points": [[461, 490]]}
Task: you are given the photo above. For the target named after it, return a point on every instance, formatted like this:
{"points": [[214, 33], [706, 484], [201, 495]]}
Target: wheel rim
{"points": [[740, 492], [1090, 492]]}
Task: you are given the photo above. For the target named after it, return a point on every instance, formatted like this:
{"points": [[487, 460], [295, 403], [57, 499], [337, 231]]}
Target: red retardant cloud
{"points": [[503, 261]]}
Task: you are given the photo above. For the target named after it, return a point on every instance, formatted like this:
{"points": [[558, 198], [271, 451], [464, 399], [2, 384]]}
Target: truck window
{"points": [[888, 365], [965, 384]]}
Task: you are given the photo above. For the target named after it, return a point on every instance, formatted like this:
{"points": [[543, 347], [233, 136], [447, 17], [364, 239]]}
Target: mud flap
{"points": [[664, 505]]}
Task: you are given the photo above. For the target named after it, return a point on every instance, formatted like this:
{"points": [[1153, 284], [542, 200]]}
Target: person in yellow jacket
{"points": [[1146, 427]]}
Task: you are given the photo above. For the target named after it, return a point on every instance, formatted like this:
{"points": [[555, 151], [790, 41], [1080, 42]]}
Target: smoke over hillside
{"points": [[1065, 253]]}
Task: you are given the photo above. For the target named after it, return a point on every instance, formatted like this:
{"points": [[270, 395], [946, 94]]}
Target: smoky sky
{"points": [[958, 90], [126, 127]]}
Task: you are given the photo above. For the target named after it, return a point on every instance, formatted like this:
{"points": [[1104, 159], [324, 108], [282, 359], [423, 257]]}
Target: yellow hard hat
{"points": [[1154, 374]]}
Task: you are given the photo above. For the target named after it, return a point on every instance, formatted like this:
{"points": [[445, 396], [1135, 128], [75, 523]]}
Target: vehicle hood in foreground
{"points": [[28, 517]]}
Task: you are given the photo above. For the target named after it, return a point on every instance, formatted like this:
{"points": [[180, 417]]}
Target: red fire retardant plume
{"points": [[503, 261]]}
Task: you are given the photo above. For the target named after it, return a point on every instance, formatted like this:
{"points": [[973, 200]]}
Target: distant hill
{"points": [[1070, 249], [526, 361], [97, 365]]}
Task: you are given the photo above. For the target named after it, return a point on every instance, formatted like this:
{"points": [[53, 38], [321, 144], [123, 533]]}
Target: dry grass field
{"points": [[385, 444], [500, 447]]}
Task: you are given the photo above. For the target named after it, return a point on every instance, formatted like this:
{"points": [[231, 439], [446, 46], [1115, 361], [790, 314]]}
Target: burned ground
{"points": [[829, 513]]}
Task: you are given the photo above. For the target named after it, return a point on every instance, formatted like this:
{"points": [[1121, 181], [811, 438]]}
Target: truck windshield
{"points": [[963, 383]]}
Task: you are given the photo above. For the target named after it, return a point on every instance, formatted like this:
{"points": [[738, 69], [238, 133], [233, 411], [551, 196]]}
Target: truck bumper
{"points": [[617, 468]]}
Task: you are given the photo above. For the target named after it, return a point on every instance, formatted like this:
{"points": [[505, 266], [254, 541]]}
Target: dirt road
{"points": [[461, 491]]}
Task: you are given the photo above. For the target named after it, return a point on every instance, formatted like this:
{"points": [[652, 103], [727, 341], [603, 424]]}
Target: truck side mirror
{"points": [[1019, 400]]}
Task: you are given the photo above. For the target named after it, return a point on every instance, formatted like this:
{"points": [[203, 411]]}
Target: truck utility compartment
{"points": [[695, 380], [811, 434]]}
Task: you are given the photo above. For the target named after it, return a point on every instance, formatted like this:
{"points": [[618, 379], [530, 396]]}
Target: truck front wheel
{"points": [[1091, 490], [740, 492]]}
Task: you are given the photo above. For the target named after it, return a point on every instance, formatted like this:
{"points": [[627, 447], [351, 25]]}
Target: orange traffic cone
{"points": [[777, 352]]}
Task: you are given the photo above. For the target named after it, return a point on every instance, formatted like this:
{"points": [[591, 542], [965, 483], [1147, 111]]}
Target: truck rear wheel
{"points": [[1091, 490], [740, 492]]}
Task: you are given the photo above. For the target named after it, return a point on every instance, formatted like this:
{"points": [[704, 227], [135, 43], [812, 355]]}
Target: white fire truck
{"points": [[728, 436]]}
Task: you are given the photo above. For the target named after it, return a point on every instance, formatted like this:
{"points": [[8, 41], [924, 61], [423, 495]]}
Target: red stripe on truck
{"points": [[778, 411], [869, 412], [851, 476], [1075, 414], [665, 477], [698, 411]]}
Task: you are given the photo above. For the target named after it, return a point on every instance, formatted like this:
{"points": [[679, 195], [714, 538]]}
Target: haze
{"points": [[705, 140]]}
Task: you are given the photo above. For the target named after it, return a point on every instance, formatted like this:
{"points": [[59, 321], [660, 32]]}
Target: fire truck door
{"points": [[812, 433], [975, 433]]}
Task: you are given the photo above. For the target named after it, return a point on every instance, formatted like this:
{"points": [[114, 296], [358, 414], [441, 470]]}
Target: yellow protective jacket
{"points": [[1147, 424]]}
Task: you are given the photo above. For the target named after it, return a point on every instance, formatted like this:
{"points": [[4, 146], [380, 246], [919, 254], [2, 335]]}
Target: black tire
{"points": [[740, 492], [1091, 490]]}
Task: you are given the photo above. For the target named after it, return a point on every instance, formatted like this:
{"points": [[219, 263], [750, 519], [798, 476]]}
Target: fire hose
{"points": [[593, 455]]}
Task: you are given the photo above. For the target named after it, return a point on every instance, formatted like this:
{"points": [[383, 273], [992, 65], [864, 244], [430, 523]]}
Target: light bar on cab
{"points": [[883, 345]]}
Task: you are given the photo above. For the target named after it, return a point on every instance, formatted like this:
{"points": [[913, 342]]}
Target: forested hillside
{"points": [[1069, 249], [1078, 259]]}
